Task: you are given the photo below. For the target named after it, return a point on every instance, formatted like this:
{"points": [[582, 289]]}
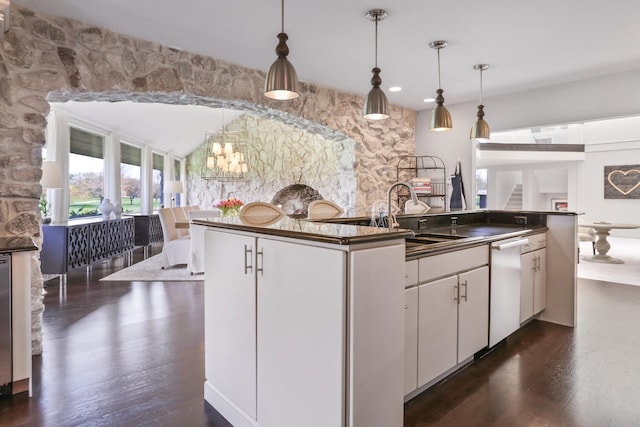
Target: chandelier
{"points": [[225, 157]]}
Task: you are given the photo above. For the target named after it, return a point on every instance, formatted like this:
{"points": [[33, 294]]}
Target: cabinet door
{"points": [[473, 312], [410, 340], [437, 328], [540, 282], [301, 335], [230, 317], [527, 270]]}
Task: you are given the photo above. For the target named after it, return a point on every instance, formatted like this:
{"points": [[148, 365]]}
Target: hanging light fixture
{"points": [[480, 129], [440, 117], [225, 157], [282, 81], [376, 106]]}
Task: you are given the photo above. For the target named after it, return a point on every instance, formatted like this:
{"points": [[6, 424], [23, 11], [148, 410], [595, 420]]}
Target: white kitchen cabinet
{"points": [[453, 315], [437, 328], [300, 333], [410, 326], [440, 332], [473, 312], [301, 338], [533, 292], [230, 318], [410, 339]]}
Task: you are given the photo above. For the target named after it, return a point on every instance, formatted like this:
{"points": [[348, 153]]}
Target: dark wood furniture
{"points": [[80, 243], [148, 230]]}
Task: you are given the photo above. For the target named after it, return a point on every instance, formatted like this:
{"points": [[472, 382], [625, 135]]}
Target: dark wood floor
{"points": [[132, 354]]}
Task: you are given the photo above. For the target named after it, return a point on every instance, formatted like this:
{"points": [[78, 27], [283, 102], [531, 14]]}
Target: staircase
{"points": [[514, 202]]}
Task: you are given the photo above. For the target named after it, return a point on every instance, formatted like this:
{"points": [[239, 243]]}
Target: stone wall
{"points": [[279, 155], [55, 58]]}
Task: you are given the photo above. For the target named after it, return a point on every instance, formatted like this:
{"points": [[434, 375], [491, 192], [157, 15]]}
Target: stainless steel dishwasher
{"points": [[504, 305], [6, 364]]}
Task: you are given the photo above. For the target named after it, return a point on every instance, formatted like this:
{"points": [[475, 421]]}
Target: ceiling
{"points": [[527, 44], [173, 129]]}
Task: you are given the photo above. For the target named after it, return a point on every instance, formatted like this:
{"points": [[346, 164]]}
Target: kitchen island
{"points": [[304, 321]]}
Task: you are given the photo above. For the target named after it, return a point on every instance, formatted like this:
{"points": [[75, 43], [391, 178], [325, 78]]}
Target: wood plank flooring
{"points": [[132, 354]]}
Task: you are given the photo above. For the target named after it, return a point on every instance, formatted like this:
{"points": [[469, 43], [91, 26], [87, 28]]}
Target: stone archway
{"points": [[44, 55]]}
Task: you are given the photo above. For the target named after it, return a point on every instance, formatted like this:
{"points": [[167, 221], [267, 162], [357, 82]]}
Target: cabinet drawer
{"points": [[411, 273], [436, 266], [536, 241]]}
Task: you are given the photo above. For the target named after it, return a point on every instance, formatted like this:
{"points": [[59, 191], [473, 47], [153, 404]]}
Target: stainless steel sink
{"points": [[426, 240]]}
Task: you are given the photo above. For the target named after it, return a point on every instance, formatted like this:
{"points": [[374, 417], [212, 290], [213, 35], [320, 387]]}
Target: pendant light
{"points": [[282, 81], [376, 106], [440, 117], [480, 129]]}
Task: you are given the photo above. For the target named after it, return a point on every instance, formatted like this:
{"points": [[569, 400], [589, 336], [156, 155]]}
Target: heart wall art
{"points": [[622, 182]]}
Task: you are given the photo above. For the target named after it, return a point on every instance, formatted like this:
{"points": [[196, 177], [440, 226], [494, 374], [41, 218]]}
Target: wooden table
{"points": [[182, 224], [602, 229]]}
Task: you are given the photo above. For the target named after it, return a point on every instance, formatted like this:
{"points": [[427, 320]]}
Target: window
{"points": [[481, 185], [157, 181], [86, 173], [130, 178], [177, 165]]}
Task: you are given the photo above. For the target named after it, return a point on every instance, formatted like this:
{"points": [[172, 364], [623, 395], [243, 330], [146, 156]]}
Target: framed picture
{"points": [[559, 205], [622, 182]]}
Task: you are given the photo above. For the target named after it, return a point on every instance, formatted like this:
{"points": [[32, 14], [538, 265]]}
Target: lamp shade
{"points": [[282, 81], [174, 187], [440, 116], [480, 129], [51, 175], [376, 106]]}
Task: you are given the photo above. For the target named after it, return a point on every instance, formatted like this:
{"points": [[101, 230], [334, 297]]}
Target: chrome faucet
{"points": [[390, 217]]}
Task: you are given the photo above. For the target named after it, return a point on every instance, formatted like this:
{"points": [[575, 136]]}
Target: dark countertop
{"points": [[16, 244], [343, 234], [461, 237], [473, 229]]}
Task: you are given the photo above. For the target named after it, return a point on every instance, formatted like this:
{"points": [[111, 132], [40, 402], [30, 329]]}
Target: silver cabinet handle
{"points": [[465, 291], [406, 307], [247, 259], [533, 264], [260, 263]]}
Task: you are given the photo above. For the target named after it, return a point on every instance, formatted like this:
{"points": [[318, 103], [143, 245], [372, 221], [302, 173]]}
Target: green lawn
{"points": [[83, 208]]}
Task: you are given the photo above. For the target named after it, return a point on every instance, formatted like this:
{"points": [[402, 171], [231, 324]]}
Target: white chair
{"points": [[196, 252], [175, 249], [261, 214], [323, 209], [587, 234]]}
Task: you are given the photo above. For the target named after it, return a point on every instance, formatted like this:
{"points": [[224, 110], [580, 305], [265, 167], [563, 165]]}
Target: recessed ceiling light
{"points": [[429, 100], [395, 89]]}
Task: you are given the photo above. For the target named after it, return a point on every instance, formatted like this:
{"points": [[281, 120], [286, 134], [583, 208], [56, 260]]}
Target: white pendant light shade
{"points": [[282, 80], [480, 130], [376, 105], [440, 116]]}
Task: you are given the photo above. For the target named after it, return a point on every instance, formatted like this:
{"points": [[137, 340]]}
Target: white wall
{"points": [[586, 100], [609, 143]]}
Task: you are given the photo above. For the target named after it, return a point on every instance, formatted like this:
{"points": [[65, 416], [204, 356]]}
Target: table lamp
{"points": [[51, 179], [174, 187]]}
